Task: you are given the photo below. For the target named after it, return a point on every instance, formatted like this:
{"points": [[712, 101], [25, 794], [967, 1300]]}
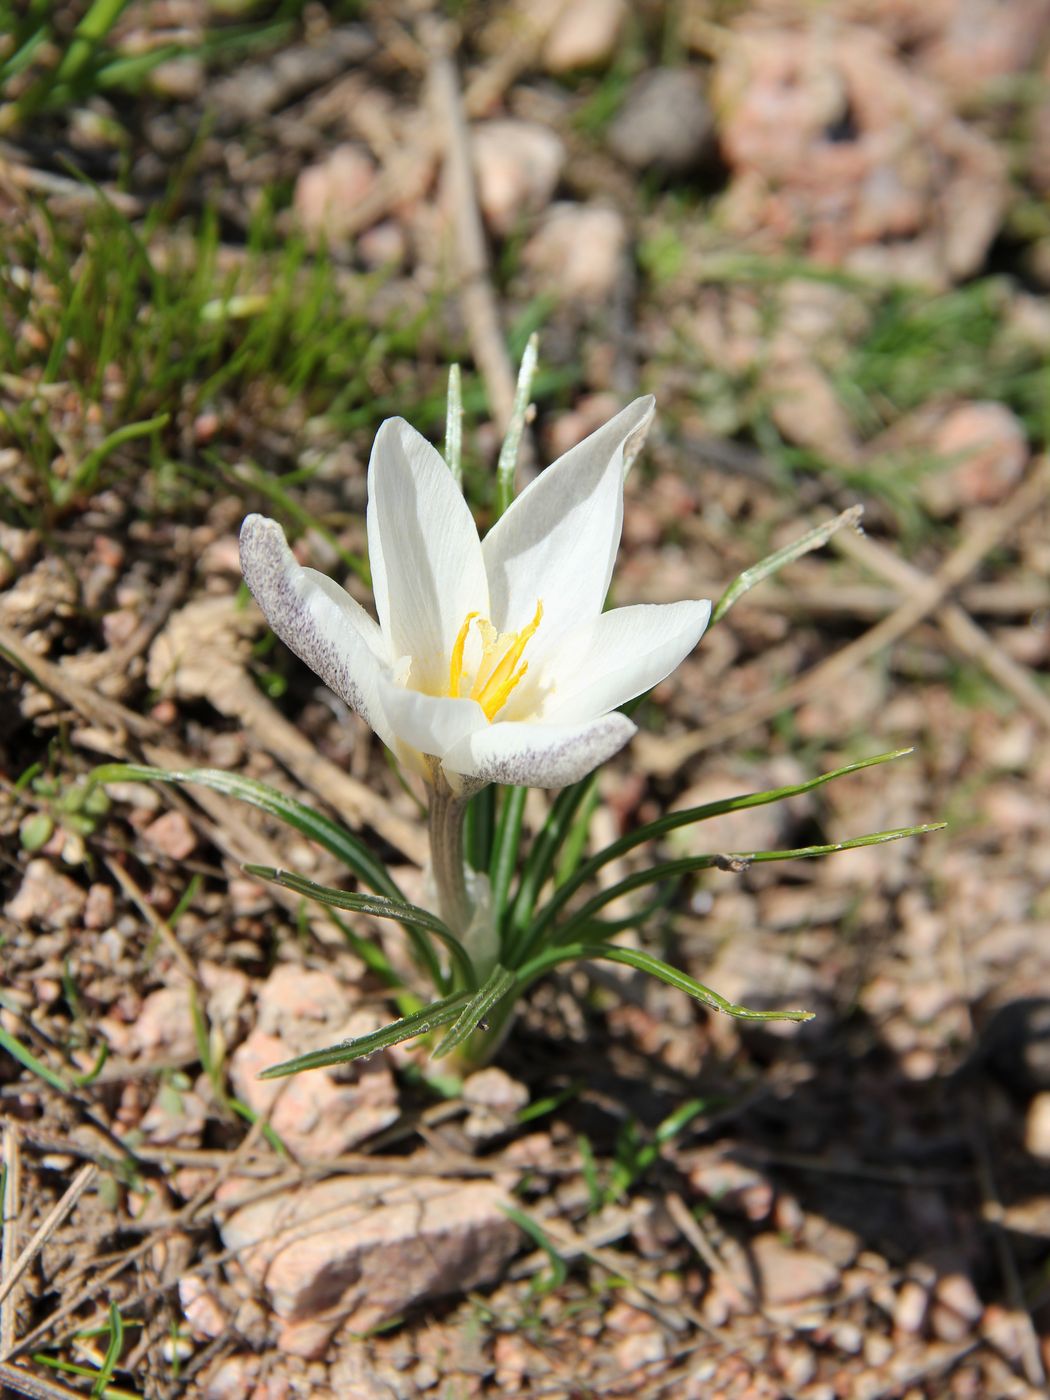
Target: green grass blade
{"points": [[505, 848], [113, 1350], [328, 834], [652, 830], [539, 862], [559, 1270], [655, 967], [438, 1013], [26, 1058], [498, 983], [479, 824], [411, 916], [773, 563], [454, 425], [737, 860], [507, 465]]}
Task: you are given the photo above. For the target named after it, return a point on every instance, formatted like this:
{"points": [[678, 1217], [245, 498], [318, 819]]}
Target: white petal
{"points": [[316, 619], [618, 656], [536, 755], [558, 540], [431, 724], [424, 552]]}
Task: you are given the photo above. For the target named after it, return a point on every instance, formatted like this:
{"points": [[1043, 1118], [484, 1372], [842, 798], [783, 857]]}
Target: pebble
{"points": [[578, 251], [788, 1274], [1037, 1127], [984, 448], [665, 122], [517, 165], [163, 1030], [201, 1309], [364, 1249], [584, 35], [910, 1307], [172, 835], [46, 897], [327, 194], [99, 907]]}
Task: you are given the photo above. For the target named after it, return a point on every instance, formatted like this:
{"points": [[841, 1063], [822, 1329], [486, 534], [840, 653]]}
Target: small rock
{"points": [[494, 1099], [642, 1349], [327, 195], [163, 1031], [230, 1378], [364, 1249], [807, 410], [99, 908], [201, 1309], [584, 35], [518, 165], [316, 1115], [383, 245], [956, 1307], [715, 1176], [175, 1116], [911, 1306], [172, 835], [1037, 1127], [46, 897], [665, 122], [578, 251], [985, 449], [788, 1274]]}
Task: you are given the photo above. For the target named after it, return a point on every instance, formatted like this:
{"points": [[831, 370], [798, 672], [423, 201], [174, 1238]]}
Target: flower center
{"points": [[498, 672]]}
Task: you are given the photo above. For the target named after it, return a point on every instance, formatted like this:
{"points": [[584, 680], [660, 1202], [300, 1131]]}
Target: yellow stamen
{"points": [[493, 693], [455, 670]]}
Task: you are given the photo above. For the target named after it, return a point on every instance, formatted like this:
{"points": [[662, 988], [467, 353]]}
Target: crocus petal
{"points": [[536, 755], [432, 724], [424, 552], [316, 619], [558, 540], [618, 656]]}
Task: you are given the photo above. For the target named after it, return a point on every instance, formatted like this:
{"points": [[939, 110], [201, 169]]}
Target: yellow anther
{"points": [[492, 693], [455, 670]]}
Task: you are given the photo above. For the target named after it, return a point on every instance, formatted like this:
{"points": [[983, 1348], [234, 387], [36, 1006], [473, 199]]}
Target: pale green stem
{"points": [[446, 857]]}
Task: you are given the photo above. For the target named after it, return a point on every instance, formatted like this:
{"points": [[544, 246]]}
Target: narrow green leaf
{"points": [[15, 1048], [479, 823], [655, 967], [539, 862], [88, 1077], [328, 834], [737, 860], [84, 474], [773, 563], [559, 1268], [496, 985], [113, 1350], [454, 425], [652, 830], [410, 915], [438, 1013], [505, 848], [507, 465]]}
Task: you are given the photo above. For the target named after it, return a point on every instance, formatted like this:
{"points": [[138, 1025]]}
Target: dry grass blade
{"points": [[20, 1382], [48, 1226], [958, 626], [477, 298], [665, 756], [10, 1209]]}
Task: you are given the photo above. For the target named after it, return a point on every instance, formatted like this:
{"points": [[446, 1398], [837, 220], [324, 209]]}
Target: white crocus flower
{"points": [[492, 660]]}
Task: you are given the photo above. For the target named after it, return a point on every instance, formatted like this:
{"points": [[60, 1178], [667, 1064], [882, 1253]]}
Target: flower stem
{"points": [[446, 857]]}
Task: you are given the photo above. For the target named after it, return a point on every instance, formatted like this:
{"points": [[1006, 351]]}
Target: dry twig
{"points": [[665, 756]]}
